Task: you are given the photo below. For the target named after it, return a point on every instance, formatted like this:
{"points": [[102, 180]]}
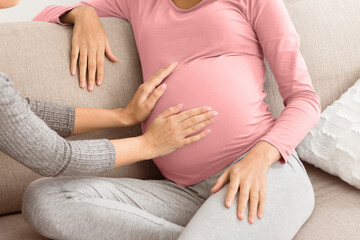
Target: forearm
{"points": [[131, 150], [69, 120], [94, 119], [280, 45], [103, 8]]}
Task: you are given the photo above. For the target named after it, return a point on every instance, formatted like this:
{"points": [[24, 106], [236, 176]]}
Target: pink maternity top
{"points": [[220, 46]]}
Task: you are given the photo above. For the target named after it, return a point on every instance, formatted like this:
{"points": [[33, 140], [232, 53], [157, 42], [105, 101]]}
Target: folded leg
{"points": [[108, 208], [289, 203]]}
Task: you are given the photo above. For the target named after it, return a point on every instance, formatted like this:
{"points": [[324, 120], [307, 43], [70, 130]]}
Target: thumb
{"points": [[220, 182], [109, 53]]}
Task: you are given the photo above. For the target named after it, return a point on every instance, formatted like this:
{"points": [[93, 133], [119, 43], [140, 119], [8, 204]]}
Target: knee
{"points": [[34, 197], [306, 191], [311, 198], [38, 201], [304, 197]]}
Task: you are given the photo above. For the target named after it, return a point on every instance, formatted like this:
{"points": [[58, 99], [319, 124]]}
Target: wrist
{"points": [[131, 150], [268, 152], [122, 118], [148, 148], [128, 118], [77, 13], [69, 16]]}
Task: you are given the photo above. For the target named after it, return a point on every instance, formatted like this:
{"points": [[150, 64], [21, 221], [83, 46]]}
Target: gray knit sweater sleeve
{"points": [[59, 118], [28, 139]]}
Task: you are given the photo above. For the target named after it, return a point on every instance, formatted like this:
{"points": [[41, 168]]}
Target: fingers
{"points": [[109, 53], [224, 178], [154, 97], [149, 92], [197, 122], [170, 111], [233, 188], [243, 199], [91, 69], [91, 61], [254, 200], [191, 113], [261, 209], [197, 137], [159, 76], [82, 67], [74, 59], [198, 126], [100, 58]]}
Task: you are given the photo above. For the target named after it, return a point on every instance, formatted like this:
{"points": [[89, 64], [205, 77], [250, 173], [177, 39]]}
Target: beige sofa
{"points": [[36, 57]]}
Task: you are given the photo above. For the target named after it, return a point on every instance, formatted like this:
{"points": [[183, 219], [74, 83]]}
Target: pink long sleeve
{"points": [[280, 43], [104, 8]]}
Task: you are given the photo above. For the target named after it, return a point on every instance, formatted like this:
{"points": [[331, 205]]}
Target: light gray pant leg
{"points": [[108, 208], [289, 203]]}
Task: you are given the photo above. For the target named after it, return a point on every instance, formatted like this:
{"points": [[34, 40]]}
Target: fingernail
{"points": [[214, 113], [208, 131], [228, 203], [179, 105], [174, 63], [163, 86], [91, 86], [208, 108], [251, 219], [73, 72], [261, 215], [241, 215], [82, 84]]}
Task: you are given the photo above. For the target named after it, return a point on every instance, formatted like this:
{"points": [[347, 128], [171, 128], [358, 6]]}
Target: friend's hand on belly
{"points": [[146, 96], [170, 130]]}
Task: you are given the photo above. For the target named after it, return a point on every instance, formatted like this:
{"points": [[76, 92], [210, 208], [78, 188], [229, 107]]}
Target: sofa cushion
{"points": [[13, 226], [336, 214]]}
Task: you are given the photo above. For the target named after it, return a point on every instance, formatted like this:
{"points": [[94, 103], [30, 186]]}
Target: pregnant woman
{"points": [[246, 168]]}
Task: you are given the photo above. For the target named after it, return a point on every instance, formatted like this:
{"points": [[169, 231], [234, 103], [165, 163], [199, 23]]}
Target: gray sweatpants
{"points": [[128, 208]]}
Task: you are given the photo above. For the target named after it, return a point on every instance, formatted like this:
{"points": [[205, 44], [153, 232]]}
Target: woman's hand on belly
{"points": [[249, 174], [170, 130]]}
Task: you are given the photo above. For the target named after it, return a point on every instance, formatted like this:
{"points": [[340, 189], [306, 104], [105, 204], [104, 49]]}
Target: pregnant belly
{"points": [[231, 85]]}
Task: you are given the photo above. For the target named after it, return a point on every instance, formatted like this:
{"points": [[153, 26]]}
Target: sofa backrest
{"points": [[36, 57]]}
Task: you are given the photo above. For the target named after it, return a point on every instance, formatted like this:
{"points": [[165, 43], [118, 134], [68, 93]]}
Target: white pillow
{"points": [[333, 144]]}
